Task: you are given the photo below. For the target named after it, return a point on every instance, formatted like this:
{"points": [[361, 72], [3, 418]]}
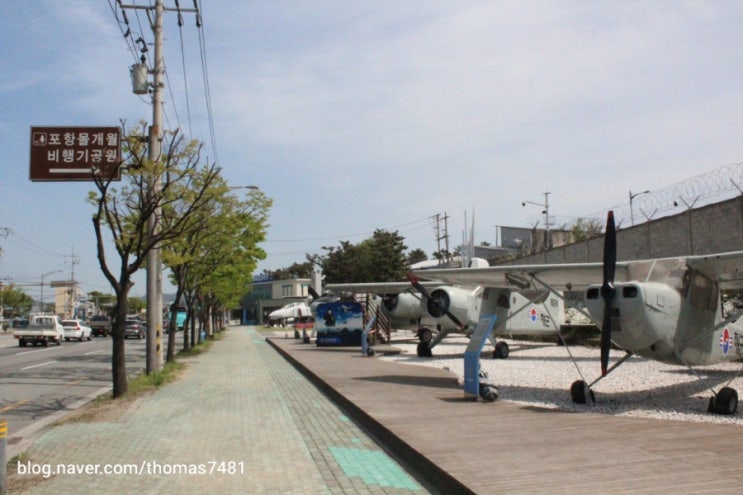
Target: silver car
{"points": [[134, 328]]}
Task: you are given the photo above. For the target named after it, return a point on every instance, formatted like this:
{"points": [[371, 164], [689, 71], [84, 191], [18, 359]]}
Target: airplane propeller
{"points": [[608, 292], [415, 281]]}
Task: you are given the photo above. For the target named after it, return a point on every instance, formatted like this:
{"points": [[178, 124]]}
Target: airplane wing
{"points": [[567, 276], [725, 268], [379, 287]]}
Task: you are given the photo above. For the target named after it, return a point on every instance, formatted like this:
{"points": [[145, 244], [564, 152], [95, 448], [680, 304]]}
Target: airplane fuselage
{"points": [[675, 318]]}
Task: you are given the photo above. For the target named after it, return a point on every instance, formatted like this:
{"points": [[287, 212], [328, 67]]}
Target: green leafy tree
{"points": [[295, 270], [416, 256], [585, 228], [378, 259], [125, 212], [104, 302], [14, 302], [135, 305], [214, 262]]}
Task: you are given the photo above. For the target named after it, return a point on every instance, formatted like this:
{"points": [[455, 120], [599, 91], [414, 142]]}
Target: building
{"points": [[269, 294], [69, 299]]}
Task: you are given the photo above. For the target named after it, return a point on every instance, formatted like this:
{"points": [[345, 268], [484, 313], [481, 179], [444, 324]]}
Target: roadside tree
{"points": [[212, 264], [123, 214], [14, 302]]}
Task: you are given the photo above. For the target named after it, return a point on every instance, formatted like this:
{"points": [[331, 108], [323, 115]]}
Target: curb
{"points": [[24, 438], [419, 464]]}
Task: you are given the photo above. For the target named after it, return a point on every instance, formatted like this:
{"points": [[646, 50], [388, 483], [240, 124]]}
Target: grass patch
{"points": [[147, 383]]}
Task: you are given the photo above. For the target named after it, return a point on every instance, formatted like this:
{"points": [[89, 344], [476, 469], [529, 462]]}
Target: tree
{"points": [[207, 268], [102, 301], [585, 228], [378, 259], [14, 302], [125, 212], [295, 270], [416, 256], [135, 305]]}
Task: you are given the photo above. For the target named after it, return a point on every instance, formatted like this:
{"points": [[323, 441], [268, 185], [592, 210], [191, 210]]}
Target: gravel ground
{"points": [[540, 374]]}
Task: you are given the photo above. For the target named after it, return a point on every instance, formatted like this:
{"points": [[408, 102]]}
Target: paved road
{"points": [[39, 381]]}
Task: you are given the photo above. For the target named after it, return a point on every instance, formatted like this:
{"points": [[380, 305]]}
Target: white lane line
{"points": [[95, 352], [37, 350], [37, 365]]}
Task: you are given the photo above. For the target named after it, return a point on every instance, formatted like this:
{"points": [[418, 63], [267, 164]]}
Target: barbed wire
{"points": [[723, 183]]}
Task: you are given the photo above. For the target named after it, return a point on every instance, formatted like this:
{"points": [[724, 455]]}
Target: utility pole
{"points": [[444, 236], [547, 221], [154, 261], [154, 270]]}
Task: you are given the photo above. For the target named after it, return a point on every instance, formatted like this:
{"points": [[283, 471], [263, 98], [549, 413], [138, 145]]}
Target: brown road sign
{"points": [[75, 153]]}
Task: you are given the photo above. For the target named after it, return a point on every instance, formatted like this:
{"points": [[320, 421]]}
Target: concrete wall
{"points": [[715, 228]]}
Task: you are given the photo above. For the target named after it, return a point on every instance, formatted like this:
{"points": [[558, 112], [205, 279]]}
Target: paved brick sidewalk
{"points": [[242, 414]]}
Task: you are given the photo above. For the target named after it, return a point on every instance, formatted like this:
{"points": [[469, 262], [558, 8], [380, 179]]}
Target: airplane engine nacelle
{"points": [[404, 305], [643, 317], [463, 304]]}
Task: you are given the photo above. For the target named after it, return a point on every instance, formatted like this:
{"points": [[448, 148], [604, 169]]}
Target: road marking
{"points": [[95, 352], [13, 406], [36, 350], [37, 365]]}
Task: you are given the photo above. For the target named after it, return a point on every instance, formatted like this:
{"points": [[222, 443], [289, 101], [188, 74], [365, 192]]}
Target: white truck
{"points": [[41, 329]]}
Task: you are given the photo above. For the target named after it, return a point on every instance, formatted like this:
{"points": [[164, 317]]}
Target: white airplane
{"points": [[288, 313], [665, 309], [448, 309]]}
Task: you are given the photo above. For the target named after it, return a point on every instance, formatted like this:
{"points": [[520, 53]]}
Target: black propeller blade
{"points": [[419, 287], [313, 293], [607, 288]]}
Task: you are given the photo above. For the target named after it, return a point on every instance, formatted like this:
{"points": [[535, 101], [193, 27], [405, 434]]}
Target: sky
{"points": [[361, 115]]}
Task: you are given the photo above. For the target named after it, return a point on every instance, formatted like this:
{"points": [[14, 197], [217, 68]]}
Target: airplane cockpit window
{"points": [[702, 292]]}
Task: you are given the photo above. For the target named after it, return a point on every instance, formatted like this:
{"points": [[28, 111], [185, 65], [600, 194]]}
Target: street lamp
{"points": [[546, 211], [631, 197], [41, 302]]}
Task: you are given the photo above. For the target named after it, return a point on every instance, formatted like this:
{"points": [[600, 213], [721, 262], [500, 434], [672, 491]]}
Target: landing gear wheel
{"points": [[580, 392], [424, 350], [488, 392], [425, 335], [725, 402], [501, 350]]}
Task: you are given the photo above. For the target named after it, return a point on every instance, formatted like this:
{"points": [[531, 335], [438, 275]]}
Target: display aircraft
{"points": [[666, 309], [440, 310], [287, 314]]}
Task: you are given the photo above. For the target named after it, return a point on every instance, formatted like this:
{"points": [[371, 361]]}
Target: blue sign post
{"points": [[472, 355]]}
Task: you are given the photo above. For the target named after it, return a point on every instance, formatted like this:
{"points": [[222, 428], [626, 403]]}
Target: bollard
{"points": [[3, 457]]}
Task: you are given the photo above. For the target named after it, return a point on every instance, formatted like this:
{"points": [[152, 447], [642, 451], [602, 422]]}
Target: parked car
{"points": [[134, 328], [76, 329], [101, 325]]}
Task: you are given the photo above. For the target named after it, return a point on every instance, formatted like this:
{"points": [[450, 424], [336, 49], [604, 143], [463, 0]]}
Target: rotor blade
{"points": [[607, 288]]}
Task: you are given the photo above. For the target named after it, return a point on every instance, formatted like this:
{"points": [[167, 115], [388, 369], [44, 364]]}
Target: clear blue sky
{"points": [[357, 115]]}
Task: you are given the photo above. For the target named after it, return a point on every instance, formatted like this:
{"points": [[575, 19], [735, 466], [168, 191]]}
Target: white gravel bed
{"points": [[540, 374]]}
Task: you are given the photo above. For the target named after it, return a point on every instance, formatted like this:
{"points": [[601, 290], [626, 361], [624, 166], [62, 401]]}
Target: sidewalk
{"points": [[241, 420]]}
